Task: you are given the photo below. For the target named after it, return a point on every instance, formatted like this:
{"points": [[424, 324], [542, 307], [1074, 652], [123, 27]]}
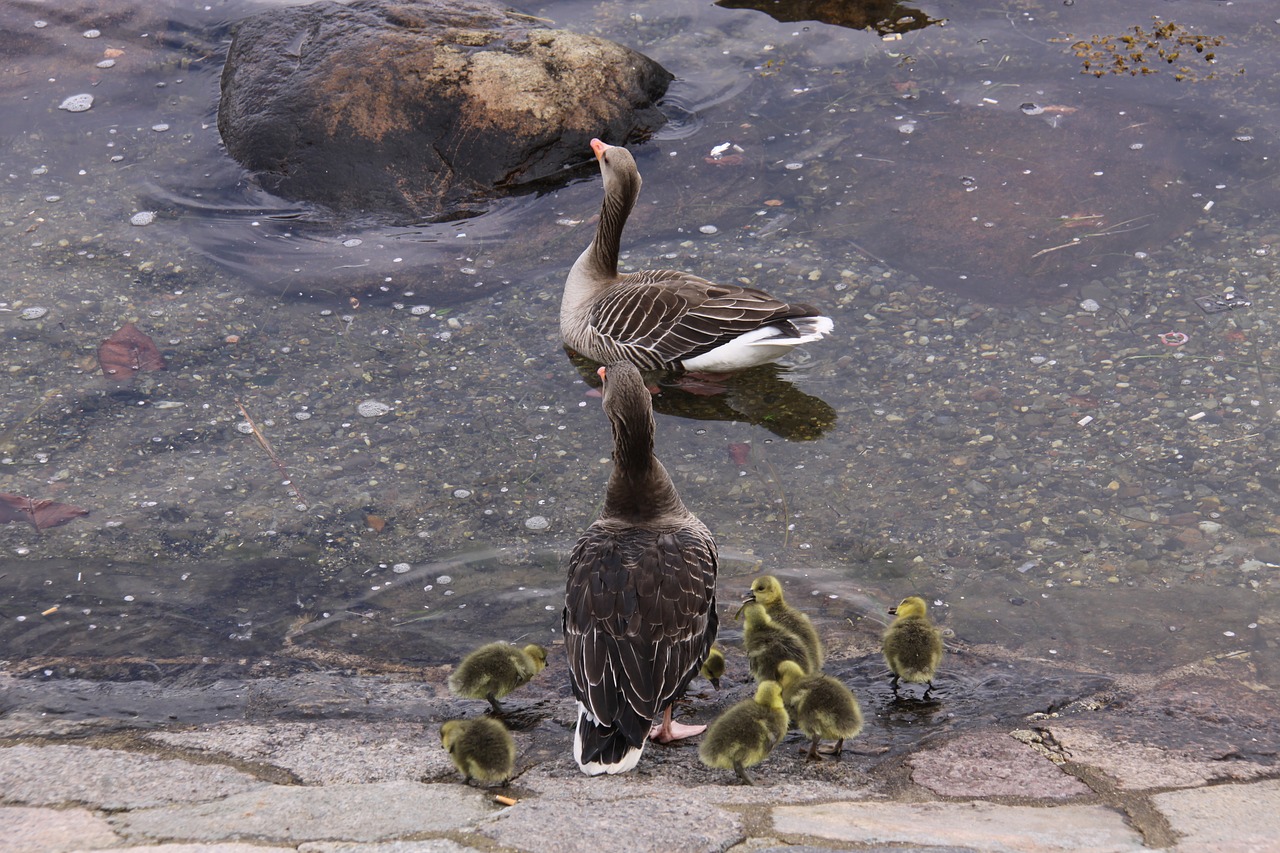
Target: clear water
{"points": [[1010, 438]]}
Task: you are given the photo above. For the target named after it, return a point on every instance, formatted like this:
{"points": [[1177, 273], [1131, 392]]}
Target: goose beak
{"points": [[601, 371], [598, 148]]}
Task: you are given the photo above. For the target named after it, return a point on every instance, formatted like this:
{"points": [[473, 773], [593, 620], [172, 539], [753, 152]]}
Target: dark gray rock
{"points": [[423, 108]]}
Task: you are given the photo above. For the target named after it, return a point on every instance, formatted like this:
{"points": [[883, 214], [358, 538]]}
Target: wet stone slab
{"points": [[661, 824], [378, 812], [434, 845], [992, 765], [27, 830], [327, 753], [111, 779], [1224, 817], [1139, 766], [982, 826]]}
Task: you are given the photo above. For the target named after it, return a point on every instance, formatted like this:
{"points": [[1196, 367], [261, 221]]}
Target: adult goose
{"points": [[640, 614], [666, 319]]}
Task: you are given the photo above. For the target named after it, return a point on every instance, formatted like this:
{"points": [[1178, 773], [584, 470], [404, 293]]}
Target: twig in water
{"points": [[266, 445]]}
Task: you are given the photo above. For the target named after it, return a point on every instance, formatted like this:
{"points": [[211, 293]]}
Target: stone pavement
{"points": [[324, 778]]}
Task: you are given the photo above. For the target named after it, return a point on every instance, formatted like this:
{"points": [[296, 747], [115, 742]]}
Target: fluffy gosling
{"points": [[768, 591], [768, 644], [494, 670], [822, 707], [481, 748], [713, 667], [912, 645], [745, 734]]}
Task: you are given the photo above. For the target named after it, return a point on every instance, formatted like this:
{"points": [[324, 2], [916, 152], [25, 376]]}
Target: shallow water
{"points": [[1021, 447]]}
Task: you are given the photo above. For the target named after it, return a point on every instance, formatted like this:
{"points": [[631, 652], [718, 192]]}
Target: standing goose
{"points": [[640, 613], [666, 319]]}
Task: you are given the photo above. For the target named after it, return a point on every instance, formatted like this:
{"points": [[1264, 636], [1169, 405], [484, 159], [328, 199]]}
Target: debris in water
{"points": [[41, 513], [128, 352], [372, 409]]}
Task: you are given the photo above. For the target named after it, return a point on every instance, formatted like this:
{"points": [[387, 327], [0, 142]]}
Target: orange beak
{"points": [[598, 148], [600, 371]]}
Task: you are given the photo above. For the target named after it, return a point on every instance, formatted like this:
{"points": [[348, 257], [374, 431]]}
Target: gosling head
{"points": [[766, 590], [538, 655], [769, 694], [911, 606], [450, 732]]}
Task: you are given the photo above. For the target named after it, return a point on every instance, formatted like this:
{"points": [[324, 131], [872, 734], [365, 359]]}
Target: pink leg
{"points": [[670, 730]]}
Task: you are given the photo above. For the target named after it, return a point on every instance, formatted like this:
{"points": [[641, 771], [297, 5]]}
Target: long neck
{"points": [[597, 267], [639, 488]]}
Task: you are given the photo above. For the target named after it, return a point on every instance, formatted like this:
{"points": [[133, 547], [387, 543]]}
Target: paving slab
{"points": [[982, 826], [1140, 767], [111, 779], [35, 830], [382, 811], [638, 825], [434, 845], [380, 753], [229, 847], [1235, 818], [992, 764]]}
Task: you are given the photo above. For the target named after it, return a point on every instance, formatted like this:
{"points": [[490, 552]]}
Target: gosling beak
{"points": [[893, 611]]}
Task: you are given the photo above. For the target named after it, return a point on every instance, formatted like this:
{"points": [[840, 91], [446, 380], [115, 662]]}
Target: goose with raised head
{"points": [[640, 598], [666, 319]]}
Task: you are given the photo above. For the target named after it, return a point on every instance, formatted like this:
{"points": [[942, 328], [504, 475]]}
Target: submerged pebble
{"points": [[35, 312], [537, 522], [372, 409], [143, 217], [76, 103]]}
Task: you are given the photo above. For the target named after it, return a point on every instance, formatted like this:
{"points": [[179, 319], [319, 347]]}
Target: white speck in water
{"points": [[537, 522], [107, 63], [40, 170], [1228, 633], [906, 127], [40, 25], [419, 310], [91, 34], [401, 568], [245, 427], [128, 598], [143, 217], [160, 128], [444, 579], [76, 103], [372, 409], [302, 416], [352, 243], [462, 493], [709, 229], [1089, 305], [35, 312], [794, 166], [1137, 146]]}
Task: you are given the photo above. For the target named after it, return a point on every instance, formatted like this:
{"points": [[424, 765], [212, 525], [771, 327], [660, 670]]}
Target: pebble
{"points": [[35, 312], [537, 522], [709, 229], [143, 217], [401, 568], [76, 103], [372, 409], [106, 63]]}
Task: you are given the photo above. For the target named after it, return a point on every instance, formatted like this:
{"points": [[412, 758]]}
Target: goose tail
{"points": [[602, 749]]}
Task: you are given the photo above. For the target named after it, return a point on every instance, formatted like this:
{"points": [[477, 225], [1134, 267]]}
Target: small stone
{"points": [[537, 522], [76, 103], [143, 217], [372, 409], [35, 312]]}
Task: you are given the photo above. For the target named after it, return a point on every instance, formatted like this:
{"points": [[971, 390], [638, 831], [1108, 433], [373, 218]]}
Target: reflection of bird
{"points": [[766, 590], [494, 670], [768, 644], [912, 645], [763, 395], [822, 707], [639, 615], [481, 748], [744, 735], [713, 667], [664, 318]]}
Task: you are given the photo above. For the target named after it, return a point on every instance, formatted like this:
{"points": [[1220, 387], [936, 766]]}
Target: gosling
{"points": [[768, 591], [482, 749], [768, 644], [744, 735], [912, 645], [822, 707], [713, 667], [494, 670]]}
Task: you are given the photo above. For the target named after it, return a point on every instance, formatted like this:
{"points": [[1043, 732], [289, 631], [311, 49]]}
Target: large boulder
{"points": [[423, 108]]}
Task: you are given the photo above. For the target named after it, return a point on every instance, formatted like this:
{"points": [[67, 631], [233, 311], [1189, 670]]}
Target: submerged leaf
{"points": [[41, 513], [128, 352]]}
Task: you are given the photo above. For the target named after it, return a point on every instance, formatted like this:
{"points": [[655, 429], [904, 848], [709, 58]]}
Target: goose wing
{"points": [[639, 619], [658, 318]]}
